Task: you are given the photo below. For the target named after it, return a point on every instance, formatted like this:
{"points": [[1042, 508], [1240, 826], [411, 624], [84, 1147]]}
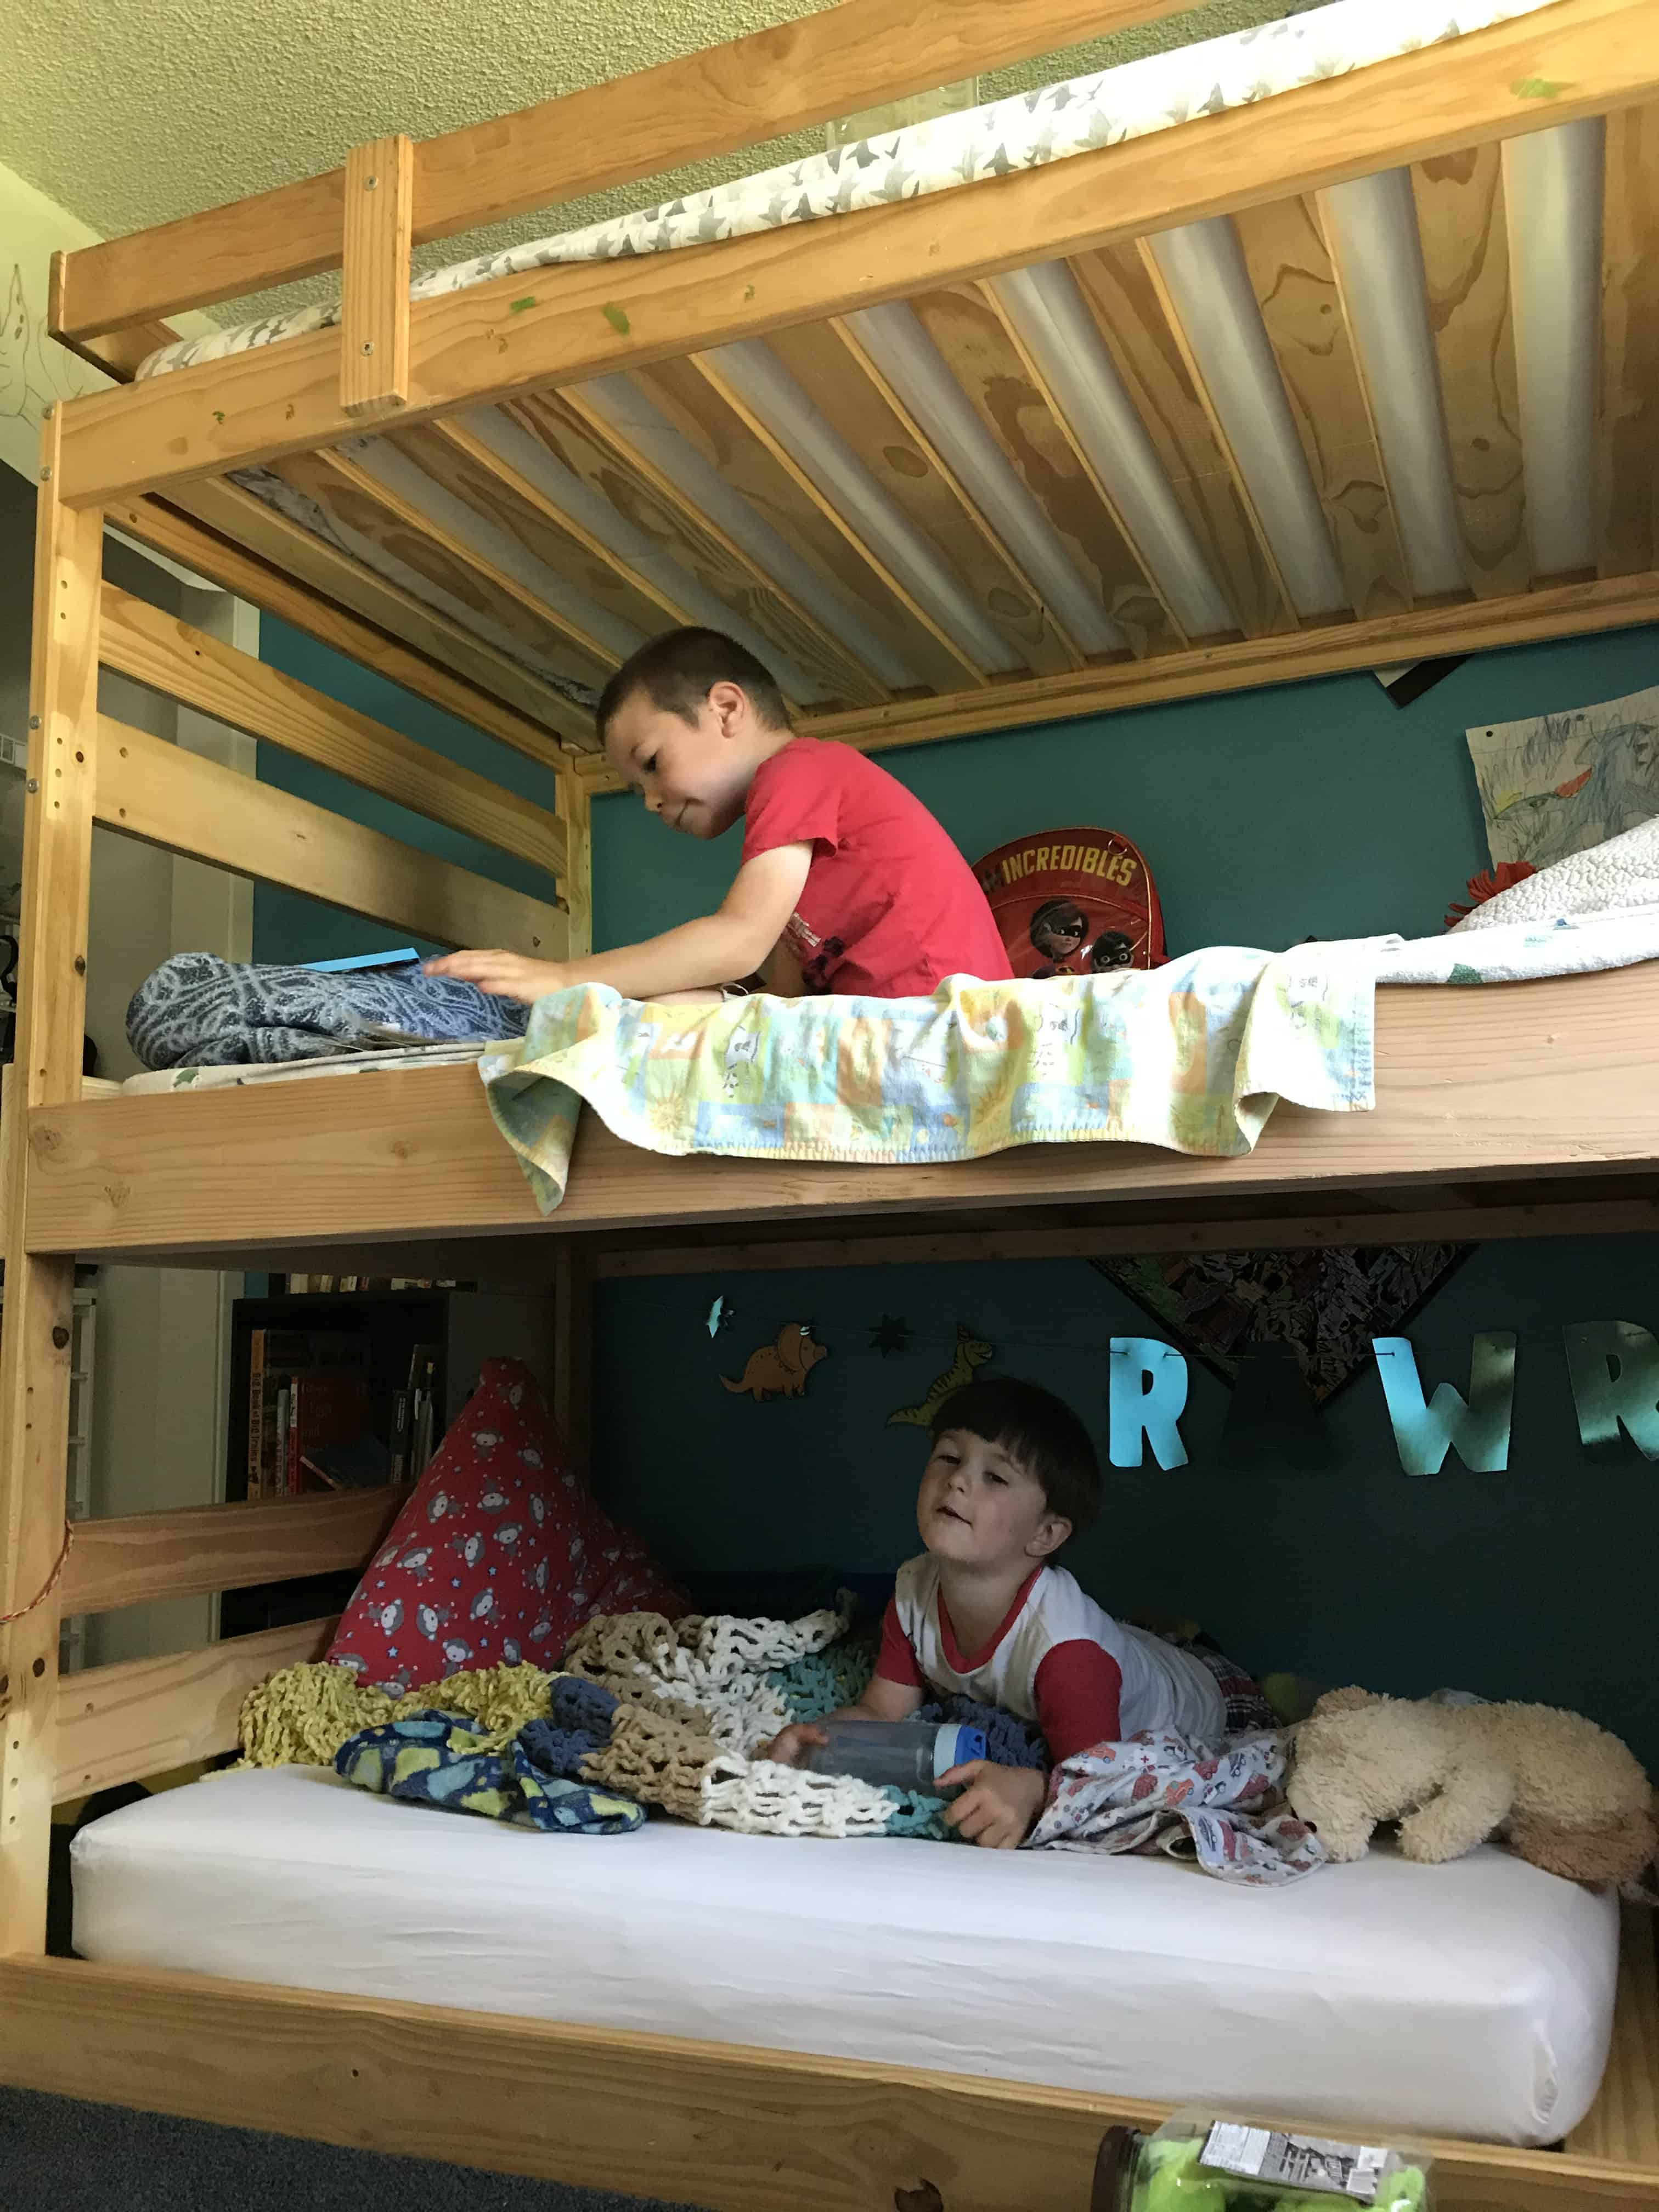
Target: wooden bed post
{"points": [[35, 1343], [576, 885], [573, 1274], [573, 1348]]}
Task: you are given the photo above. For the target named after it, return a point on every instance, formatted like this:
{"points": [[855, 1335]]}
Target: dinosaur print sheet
{"points": [[1224, 1808], [1192, 1056]]}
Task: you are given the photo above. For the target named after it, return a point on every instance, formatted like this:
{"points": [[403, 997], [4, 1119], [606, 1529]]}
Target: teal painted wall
{"points": [[289, 927], [1537, 1583], [1267, 816]]}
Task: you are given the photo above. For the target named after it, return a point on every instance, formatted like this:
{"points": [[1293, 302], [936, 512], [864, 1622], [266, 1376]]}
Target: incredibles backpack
{"points": [[1073, 902]]}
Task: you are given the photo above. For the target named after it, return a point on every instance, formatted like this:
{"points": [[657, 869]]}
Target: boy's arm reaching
{"points": [[717, 948], [882, 1701]]}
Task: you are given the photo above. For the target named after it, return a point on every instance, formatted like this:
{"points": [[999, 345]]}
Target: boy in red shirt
{"points": [[847, 883]]}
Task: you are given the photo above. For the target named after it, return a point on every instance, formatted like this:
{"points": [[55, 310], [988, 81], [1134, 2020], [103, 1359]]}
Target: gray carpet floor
{"points": [[57, 2154]]}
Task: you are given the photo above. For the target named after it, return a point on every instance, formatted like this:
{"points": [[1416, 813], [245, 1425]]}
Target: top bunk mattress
{"points": [[1473, 1999]]}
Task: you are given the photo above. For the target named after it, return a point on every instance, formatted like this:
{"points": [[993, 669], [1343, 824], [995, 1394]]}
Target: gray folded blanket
{"points": [[197, 1011]]}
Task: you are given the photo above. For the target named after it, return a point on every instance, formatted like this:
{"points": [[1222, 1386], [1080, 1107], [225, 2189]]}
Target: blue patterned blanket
{"points": [[197, 1011]]}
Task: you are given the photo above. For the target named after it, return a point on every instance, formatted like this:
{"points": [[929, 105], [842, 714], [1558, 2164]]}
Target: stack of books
{"points": [[416, 1424], [307, 1395]]}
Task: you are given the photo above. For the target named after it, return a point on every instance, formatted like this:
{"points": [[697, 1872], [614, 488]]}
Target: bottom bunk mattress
{"points": [[1473, 1999]]}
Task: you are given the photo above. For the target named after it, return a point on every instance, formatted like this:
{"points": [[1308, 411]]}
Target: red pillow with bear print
{"points": [[500, 1555]]}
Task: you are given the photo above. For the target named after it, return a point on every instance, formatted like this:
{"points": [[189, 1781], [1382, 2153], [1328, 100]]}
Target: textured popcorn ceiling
{"points": [[129, 112]]}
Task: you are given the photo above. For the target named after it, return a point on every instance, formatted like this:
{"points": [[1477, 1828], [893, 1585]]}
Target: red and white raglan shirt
{"points": [[890, 907], [1056, 1659]]}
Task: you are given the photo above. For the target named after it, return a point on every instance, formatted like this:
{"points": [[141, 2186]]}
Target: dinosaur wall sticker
{"points": [[780, 1369], [972, 1352]]}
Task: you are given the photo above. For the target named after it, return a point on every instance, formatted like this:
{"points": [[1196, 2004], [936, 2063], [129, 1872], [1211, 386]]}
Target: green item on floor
{"points": [[1198, 2163]]}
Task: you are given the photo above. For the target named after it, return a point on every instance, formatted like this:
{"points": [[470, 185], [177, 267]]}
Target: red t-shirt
{"points": [[890, 907]]}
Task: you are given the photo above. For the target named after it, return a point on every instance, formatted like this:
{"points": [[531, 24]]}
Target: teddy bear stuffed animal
{"points": [[1566, 1795]]}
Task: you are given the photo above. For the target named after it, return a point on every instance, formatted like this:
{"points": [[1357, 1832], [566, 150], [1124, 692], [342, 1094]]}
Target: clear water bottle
{"points": [[895, 1754], [1202, 2163]]}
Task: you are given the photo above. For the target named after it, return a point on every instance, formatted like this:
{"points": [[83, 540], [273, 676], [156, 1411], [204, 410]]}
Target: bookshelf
{"points": [[377, 1334]]}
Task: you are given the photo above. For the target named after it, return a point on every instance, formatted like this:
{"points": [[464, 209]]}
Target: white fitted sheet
{"points": [[1473, 1999]]}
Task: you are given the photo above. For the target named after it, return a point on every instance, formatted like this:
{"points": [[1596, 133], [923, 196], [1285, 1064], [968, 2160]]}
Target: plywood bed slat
{"points": [[843, 385], [1128, 314], [1302, 310], [169, 656], [332, 624], [361, 509], [1263, 552], [696, 408], [591, 446], [168, 796], [1042, 636], [977, 348], [1464, 233], [249, 523], [454, 455], [1042, 384], [1627, 438], [860, 548]]}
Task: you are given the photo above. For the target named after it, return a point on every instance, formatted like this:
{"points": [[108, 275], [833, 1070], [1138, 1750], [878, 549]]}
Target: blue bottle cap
{"points": [[954, 1746]]}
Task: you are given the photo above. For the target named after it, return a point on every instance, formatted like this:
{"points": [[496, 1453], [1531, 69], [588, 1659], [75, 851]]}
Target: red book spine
{"points": [[255, 1414]]}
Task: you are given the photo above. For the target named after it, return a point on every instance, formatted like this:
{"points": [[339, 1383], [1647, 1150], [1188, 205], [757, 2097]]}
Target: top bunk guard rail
{"points": [[1572, 59], [700, 106]]}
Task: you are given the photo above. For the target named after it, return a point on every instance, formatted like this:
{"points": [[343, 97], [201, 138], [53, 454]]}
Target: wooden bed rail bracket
{"points": [[120, 354], [380, 216]]}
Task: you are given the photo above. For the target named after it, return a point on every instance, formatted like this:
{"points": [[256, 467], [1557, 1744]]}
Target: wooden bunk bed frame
{"points": [[1525, 1111]]}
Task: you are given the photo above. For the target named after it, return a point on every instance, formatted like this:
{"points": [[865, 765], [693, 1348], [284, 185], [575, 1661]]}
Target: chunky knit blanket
{"points": [[655, 1712]]}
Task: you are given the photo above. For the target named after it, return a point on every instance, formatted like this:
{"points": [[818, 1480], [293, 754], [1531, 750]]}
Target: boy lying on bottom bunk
{"points": [[1013, 1476], [1473, 1997]]}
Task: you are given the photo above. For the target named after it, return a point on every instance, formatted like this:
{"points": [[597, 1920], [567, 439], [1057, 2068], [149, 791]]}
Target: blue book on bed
{"points": [[363, 960]]}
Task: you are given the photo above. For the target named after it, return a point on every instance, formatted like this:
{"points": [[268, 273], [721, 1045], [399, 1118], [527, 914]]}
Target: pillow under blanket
{"points": [[197, 1011], [1621, 873]]}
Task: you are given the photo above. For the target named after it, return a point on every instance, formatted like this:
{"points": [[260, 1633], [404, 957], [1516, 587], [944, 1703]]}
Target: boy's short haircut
{"points": [[1038, 1429], [678, 670]]}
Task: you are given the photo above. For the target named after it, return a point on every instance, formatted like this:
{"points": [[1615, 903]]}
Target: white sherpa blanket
{"points": [[1620, 875]]}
